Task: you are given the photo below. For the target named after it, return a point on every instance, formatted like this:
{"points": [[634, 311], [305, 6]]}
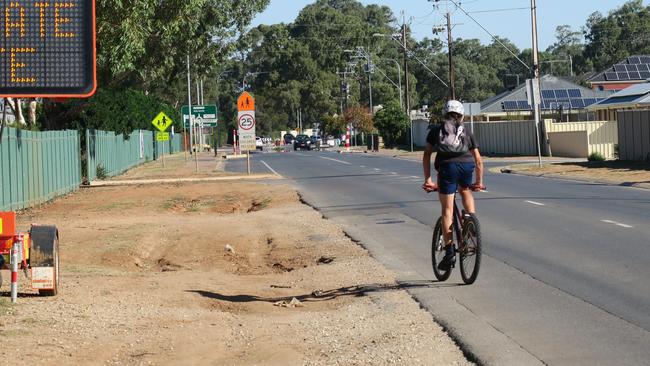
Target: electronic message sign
{"points": [[47, 48]]}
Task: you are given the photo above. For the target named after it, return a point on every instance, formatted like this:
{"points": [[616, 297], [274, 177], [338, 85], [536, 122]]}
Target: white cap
{"points": [[454, 106]]}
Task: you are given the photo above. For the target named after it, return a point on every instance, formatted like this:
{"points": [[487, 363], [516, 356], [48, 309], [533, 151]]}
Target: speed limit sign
{"points": [[247, 121]]}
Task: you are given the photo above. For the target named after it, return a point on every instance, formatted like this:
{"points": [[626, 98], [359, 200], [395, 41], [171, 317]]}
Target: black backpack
{"points": [[452, 138]]}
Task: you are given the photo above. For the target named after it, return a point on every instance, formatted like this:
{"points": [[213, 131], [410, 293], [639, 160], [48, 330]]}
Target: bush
{"points": [[596, 156], [100, 172]]}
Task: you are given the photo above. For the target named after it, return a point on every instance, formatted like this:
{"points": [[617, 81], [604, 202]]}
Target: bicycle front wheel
{"points": [[438, 252], [470, 253]]}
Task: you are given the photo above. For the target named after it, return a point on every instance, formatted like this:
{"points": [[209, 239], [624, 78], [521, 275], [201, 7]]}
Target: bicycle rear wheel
{"points": [[470, 254], [438, 252]]}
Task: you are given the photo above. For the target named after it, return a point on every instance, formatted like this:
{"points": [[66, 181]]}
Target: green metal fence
{"points": [[35, 167], [115, 154]]}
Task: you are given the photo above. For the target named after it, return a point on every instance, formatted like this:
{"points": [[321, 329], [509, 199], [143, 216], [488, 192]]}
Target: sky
{"points": [[512, 24]]}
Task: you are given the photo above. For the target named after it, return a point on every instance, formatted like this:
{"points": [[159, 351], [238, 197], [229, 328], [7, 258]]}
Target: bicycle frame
{"points": [[458, 224]]}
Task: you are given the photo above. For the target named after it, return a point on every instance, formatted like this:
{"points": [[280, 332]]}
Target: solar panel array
{"points": [[636, 68], [553, 99]]}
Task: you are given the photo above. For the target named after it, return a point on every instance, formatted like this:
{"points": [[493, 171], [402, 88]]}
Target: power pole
{"points": [[537, 83], [406, 78], [452, 71]]}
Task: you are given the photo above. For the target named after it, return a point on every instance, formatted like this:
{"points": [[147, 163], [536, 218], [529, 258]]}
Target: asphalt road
{"points": [[566, 272]]}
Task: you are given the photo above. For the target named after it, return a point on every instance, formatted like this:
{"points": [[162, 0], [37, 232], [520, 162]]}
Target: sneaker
{"points": [[449, 259]]}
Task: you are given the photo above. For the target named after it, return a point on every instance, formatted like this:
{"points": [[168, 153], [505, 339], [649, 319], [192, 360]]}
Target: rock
{"points": [[230, 249]]}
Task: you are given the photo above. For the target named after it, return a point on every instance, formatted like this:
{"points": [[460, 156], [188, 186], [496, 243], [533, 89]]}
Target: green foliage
{"points": [[360, 118], [393, 124], [121, 111], [596, 156], [333, 125], [100, 172]]}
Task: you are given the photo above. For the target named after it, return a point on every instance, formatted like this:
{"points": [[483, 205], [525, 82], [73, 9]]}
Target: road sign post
{"points": [[162, 122], [246, 125]]}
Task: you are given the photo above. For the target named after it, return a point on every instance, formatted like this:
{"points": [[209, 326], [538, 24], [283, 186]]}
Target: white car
{"points": [[259, 145]]}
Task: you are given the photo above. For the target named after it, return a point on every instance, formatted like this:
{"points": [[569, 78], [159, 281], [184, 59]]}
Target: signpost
{"points": [[471, 110], [48, 49], [246, 125], [162, 123], [206, 114]]}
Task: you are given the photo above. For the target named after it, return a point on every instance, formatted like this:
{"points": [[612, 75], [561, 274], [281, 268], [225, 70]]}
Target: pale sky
{"points": [[512, 24]]}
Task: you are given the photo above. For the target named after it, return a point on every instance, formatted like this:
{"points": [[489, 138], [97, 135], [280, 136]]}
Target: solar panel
{"points": [[619, 68], [645, 74], [548, 94], [589, 101], [611, 76], [561, 93], [643, 67], [635, 60], [634, 75], [575, 93], [623, 76], [564, 102], [631, 68], [645, 59], [546, 104], [510, 106], [577, 103], [523, 105]]}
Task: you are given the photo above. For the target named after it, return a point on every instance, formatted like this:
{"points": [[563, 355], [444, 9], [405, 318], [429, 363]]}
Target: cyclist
{"points": [[456, 159]]}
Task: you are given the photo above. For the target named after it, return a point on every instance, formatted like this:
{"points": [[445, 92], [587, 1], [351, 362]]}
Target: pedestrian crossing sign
{"points": [[162, 122]]}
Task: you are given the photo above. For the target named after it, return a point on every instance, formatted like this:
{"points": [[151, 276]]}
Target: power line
{"points": [[496, 10], [491, 35]]}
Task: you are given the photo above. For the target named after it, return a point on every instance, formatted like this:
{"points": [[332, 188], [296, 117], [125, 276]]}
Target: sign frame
{"points": [[211, 122], [89, 42]]}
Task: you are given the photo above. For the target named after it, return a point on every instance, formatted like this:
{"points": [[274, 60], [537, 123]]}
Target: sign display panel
{"points": [[47, 48]]}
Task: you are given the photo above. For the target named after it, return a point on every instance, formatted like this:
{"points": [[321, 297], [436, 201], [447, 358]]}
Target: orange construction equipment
{"points": [[37, 253]]}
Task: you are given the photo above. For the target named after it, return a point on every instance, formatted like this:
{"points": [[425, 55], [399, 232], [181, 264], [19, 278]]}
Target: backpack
{"points": [[452, 138]]}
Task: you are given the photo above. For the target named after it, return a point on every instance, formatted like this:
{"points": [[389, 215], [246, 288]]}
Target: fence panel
{"points": [[115, 154], [36, 167], [507, 137], [603, 135], [634, 135]]}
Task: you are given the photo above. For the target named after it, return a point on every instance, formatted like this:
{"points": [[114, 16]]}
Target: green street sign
{"points": [[205, 115]]}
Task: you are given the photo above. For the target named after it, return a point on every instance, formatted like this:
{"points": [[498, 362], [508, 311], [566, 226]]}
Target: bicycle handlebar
{"points": [[473, 187]]}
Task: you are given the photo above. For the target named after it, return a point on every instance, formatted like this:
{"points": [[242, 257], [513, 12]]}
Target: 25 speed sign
{"points": [[47, 48], [246, 122]]}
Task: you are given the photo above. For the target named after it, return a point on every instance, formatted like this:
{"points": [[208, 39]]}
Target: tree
{"points": [[360, 118], [393, 124]]}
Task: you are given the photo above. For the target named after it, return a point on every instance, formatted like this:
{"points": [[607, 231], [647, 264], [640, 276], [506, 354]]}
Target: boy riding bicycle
{"points": [[456, 159]]}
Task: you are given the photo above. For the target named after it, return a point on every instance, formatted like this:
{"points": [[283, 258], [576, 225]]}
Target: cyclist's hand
{"points": [[477, 187], [429, 186]]}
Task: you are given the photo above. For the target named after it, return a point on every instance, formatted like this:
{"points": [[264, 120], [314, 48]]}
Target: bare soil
{"points": [[213, 274], [616, 172]]}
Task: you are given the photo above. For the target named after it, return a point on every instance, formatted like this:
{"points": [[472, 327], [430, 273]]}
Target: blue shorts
{"points": [[451, 175]]}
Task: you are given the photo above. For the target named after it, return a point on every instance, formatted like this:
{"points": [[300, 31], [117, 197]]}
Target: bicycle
{"points": [[466, 227]]}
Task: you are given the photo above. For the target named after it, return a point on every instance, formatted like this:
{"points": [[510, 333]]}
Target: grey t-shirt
{"points": [[441, 158]]}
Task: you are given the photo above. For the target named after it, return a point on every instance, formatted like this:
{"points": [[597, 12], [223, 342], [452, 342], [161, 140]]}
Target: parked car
{"points": [[259, 144], [289, 139], [302, 142]]}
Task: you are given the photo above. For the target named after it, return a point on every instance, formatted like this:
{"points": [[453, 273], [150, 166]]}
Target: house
{"points": [[558, 94], [633, 70], [634, 97]]}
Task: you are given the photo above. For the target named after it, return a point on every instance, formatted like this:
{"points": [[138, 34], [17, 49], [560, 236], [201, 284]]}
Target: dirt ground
{"points": [[213, 274], [616, 172]]}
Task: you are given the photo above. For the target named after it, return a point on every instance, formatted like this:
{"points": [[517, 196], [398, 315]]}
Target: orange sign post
{"points": [[245, 102], [246, 125]]}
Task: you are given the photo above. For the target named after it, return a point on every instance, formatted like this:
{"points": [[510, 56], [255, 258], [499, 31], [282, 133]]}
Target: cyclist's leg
{"points": [[447, 186], [447, 209], [465, 179]]}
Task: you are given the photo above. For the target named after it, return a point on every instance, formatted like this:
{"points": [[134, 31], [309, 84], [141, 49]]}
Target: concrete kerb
{"points": [[512, 169], [135, 182]]}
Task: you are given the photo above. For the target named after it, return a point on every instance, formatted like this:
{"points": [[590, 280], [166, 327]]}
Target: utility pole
{"points": [[452, 71], [406, 77], [370, 66], [537, 83], [189, 99]]}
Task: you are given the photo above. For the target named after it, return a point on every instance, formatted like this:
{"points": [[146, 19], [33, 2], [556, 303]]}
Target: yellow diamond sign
{"points": [[162, 122]]}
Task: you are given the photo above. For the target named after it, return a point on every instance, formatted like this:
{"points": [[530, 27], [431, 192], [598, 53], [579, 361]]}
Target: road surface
{"points": [[565, 276]]}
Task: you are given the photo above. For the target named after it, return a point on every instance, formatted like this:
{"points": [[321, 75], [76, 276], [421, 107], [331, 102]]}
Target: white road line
{"points": [[535, 203], [415, 177], [377, 169], [394, 173], [362, 166], [269, 167], [336, 160], [617, 224]]}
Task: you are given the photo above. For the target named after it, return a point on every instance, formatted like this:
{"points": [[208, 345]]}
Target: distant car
{"points": [[289, 139], [259, 144], [302, 142]]}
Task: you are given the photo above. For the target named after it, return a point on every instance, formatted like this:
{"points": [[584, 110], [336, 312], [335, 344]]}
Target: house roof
{"points": [[555, 92], [633, 69], [632, 96]]}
